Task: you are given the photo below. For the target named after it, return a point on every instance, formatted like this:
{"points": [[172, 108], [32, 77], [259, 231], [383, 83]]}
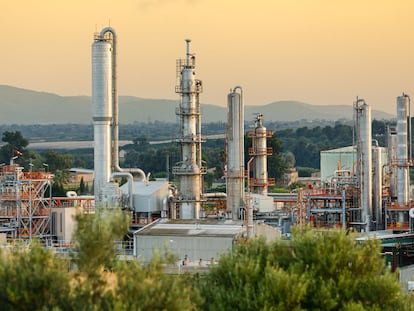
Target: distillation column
{"points": [[259, 151], [235, 153], [102, 113], [364, 150], [190, 169], [402, 150]]}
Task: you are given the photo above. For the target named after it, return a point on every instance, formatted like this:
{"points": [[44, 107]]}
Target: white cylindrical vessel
{"points": [[102, 113], [190, 169], [260, 160], [235, 153], [402, 150], [365, 160]]}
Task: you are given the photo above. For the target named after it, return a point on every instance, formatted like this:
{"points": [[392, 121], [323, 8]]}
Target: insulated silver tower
{"points": [[235, 153], [402, 150], [102, 112], [105, 120], [364, 151], [190, 169]]}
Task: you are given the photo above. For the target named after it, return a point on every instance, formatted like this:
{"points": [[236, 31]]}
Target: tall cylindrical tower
{"points": [[402, 150], [235, 153], [377, 186], [259, 151], [364, 149], [190, 169], [392, 159], [102, 112]]}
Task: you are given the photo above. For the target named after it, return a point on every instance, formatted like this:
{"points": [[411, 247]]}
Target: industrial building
{"points": [[363, 187]]}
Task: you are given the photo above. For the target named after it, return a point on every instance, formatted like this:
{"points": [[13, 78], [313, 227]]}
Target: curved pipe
{"points": [[238, 87], [115, 114], [130, 181], [71, 194]]}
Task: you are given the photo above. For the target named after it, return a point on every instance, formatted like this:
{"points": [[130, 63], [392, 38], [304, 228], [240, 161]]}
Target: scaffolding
{"points": [[25, 211]]}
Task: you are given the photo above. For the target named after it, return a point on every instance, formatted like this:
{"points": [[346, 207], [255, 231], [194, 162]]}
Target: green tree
{"points": [[32, 279], [313, 271], [149, 288], [15, 146], [59, 165]]}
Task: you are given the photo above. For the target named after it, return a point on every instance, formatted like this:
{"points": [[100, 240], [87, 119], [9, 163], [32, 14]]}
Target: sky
{"points": [[321, 52]]}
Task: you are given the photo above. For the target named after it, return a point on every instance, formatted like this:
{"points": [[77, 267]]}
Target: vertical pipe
{"points": [[377, 185]]}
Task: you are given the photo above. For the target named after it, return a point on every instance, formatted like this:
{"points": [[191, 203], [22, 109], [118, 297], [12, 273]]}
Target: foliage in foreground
{"points": [[313, 271], [33, 278]]}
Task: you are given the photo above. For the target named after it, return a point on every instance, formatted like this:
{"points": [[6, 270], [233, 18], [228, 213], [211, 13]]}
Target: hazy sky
{"points": [[316, 51]]}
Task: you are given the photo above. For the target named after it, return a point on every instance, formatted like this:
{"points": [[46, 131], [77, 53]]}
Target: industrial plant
{"points": [[364, 187]]}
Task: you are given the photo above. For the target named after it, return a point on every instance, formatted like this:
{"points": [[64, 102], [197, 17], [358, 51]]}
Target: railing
{"points": [[261, 151], [261, 182], [188, 170]]}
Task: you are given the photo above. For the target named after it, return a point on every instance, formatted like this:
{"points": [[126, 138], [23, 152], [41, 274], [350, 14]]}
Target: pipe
{"points": [[71, 194], [115, 114], [410, 131], [130, 181], [166, 201], [249, 216], [188, 51], [215, 195]]}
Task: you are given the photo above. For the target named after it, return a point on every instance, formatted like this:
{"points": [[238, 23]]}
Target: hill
{"points": [[21, 106]]}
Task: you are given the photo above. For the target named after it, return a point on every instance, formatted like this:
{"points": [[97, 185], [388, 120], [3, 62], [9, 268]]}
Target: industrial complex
{"points": [[364, 187]]}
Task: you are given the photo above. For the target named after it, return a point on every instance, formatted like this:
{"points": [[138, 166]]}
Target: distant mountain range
{"points": [[21, 106]]}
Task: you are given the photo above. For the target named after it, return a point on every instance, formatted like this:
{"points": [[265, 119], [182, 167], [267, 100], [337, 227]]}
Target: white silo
{"points": [[102, 112], [364, 163], [402, 150], [235, 171], [190, 169]]}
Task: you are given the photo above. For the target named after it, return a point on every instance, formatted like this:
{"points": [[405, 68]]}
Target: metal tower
{"points": [[364, 162], [259, 151], [24, 209], [235, 172], [190, 169]]}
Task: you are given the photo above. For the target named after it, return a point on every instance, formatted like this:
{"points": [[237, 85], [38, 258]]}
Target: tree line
{"points": [[298, 147]]}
